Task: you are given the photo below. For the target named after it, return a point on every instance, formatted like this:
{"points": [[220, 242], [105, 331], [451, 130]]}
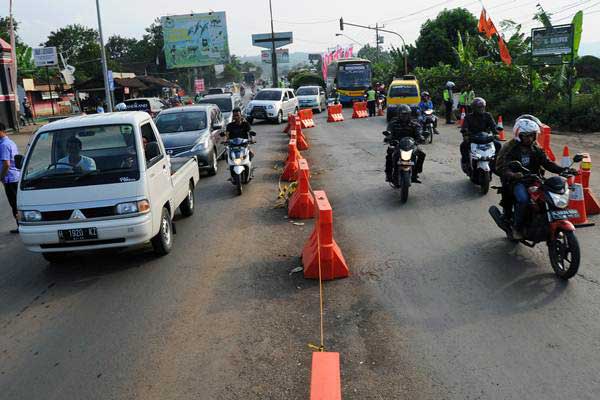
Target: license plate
{"points": [[564, 214], [75, 235]]}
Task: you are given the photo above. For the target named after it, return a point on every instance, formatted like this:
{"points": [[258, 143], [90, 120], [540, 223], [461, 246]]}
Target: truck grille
{"points": [[65, 215]]}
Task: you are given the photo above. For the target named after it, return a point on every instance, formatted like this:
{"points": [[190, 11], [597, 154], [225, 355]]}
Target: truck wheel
{"points": [[163, 241], [187, 206], [55, 258], [213, 163]]}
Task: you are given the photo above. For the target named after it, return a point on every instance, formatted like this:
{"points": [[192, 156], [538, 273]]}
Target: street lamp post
{"points": [[104, 65]]}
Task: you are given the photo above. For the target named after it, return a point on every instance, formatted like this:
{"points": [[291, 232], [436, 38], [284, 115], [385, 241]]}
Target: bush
{"points": [[307, 79]]}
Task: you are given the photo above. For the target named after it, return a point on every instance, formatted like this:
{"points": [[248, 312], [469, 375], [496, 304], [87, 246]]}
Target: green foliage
{"points": [[588, 67], [231, 73], [307, 78]]}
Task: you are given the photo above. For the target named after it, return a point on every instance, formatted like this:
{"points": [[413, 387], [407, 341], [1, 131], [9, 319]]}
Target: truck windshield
{"points": [[184, 121], [89, 155]]}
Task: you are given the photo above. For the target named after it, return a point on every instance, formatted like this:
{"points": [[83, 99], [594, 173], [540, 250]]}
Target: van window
{"points": [[404, 91], [150, 136]]}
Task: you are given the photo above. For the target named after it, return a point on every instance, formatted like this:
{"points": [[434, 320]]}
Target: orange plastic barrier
{"points": [[359, 110], [320, 251], [501, 135], [290, 171], [334, 113], [592, 205], [577, 202], [325, 380], [544, 141], [306, 117], [300, 138], [462, 117], [290, 123], [302, 203]]}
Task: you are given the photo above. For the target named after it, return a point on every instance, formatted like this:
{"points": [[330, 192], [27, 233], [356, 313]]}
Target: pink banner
{"points": [[339, 53]]}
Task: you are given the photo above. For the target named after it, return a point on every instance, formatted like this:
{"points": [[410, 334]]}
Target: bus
{"points": [[349, 78]]}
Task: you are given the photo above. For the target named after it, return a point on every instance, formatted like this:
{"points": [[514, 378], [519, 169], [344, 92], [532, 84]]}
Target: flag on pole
{"points": [[482, 25], [491, 29], [504, 53]]}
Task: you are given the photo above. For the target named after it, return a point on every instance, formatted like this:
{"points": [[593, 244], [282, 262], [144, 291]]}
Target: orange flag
{"points": [[482, 25], [504, 53], [491, 29]]}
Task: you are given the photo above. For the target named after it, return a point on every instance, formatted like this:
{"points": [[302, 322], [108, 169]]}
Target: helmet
{"points": [[404, 112], [425, 94], [450, 84], [478, 105], [524, 126], [121, 107]]}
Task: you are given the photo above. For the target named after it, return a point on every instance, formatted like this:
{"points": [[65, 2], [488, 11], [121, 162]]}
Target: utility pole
{"points": [[273, 51], [13, 55], [104, 65], [377, 39]]}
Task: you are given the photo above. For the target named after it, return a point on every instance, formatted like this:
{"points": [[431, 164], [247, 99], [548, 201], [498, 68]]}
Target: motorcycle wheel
{"points": [[237, 181], [564, 254], [430, 135], [484, 182], [404, 185]]}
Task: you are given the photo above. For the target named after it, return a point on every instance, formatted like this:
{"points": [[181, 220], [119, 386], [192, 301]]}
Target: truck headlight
{"points": [[30, 216], [133, 207]]}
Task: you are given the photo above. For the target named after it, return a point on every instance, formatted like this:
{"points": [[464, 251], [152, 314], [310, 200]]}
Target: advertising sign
{"points": [[45, 57], [264, 39], [199, 85], [558, 40], [283, 56], [195, 40], [339, 53]]}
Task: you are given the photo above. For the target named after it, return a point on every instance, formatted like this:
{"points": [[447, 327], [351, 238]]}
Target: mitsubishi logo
{"points": [[77, 214]]}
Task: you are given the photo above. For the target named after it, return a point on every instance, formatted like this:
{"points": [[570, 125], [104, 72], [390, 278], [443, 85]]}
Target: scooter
{"points": [[547, 219], [403, 161], [238, 158], [482, 156], [428, 123]]}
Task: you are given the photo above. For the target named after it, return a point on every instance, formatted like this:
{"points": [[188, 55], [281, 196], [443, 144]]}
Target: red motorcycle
{"points": [[547, 218]]}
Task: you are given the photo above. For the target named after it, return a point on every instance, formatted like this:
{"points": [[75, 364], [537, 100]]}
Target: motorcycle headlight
{"points": [[560, 200], [30, 216], [405, 155], [237, 161]]}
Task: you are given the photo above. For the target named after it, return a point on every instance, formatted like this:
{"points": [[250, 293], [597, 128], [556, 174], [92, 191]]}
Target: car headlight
{"points": [[405, 155], [560, 200], [132, 207], [200, 146], [30, 216], [270, 107]]}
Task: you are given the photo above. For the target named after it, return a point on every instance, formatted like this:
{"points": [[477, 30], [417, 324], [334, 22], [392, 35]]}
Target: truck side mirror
{"points": [[152, 150], [19, 161]]}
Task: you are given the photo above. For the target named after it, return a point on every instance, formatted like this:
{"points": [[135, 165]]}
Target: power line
{"points": [[416, 12], [305, 23]]}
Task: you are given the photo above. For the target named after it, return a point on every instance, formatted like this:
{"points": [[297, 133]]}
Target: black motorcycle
{"points": [[428, 124], [403, 159]]}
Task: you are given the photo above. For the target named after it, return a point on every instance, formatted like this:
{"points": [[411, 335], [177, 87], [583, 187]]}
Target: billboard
{"points": [[546, 42], [283, 56], [195, 40]]}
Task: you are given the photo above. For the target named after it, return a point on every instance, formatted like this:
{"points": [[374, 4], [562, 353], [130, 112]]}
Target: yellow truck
{"points": [[403, 91]]}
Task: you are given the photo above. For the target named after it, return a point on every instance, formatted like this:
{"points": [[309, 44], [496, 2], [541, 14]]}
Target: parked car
{"points": [[226, 103], [272, 104], [101, 181], [194, 130], [216, 91], [312, 97], [151, 105]]}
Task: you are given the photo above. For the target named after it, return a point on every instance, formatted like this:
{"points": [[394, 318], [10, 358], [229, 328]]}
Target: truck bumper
{"points": [[120, 232]]}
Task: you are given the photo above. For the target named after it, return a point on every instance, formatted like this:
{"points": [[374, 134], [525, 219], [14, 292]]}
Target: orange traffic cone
{"points": [[577, 202], [501, 135], [565, 162], [462, 117]]}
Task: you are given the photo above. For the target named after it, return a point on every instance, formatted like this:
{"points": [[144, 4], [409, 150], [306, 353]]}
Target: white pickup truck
{"points": [[101, 181]]}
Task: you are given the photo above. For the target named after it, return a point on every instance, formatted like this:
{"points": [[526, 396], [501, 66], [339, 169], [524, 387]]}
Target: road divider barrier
{"points": [[300, 138], [592, 205], [334, 113], [290, 170], [290, 123], [543, 140], [321, 256], [359, 110], [306, 118], [500, 128], [302, 203]]}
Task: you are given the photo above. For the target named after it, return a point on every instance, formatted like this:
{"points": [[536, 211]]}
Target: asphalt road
{"points": [[439, 305]]}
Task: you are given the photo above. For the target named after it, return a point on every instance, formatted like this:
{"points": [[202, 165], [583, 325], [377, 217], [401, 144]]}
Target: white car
{"points": [[311, 97], [272, 104], [100, 181]]}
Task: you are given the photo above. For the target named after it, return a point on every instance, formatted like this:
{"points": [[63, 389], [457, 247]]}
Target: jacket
{"points": [[400, 129], [533, 160], [475, 123]]}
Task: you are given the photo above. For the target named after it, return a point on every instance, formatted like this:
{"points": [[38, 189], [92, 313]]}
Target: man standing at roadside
{"points": [[371, 95], [9, 174], [448, 100]]}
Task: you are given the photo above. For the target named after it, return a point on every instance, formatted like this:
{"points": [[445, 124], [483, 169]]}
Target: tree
{"points": [[438, 37]]}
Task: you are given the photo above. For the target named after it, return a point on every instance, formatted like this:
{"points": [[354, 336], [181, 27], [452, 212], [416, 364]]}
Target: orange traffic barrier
{"points": [[334, 113], [501, 135], [300, 138], [577, 202], [359, 110], [592, 205], [290, 170], [290, 123], [321, 252], [325, 380], [306, 118], [544, 141], [302, 203], [462, 117]]}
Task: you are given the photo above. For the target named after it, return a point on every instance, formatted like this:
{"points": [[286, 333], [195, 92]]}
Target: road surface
{"points": [[439, 305]]}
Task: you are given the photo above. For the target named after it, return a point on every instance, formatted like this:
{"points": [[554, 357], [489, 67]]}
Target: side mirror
{"points": [[576, 159], [252, 133], [515, 166], [217, 126], [152, 150], [385, 133], [19, 161]]}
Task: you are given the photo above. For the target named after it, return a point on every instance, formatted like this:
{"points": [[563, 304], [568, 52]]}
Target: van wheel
{"points": [[279, 118], [55, 258], [214, 163], [187, 206], [163, 241]]}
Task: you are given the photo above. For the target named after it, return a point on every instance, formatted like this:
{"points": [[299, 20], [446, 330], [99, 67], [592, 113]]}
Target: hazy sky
{"points": [[314, 22]]}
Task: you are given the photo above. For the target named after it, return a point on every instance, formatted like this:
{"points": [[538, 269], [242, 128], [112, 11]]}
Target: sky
{"points": [[313, 22]]}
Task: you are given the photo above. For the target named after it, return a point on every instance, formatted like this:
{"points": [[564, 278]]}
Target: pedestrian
{"points": [[371, 95], [9, 174], [462, 100], [27, 112], [448, 101]]}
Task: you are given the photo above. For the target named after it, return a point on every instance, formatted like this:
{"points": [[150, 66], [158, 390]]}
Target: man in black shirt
{"points": [[238, 128], [477, 121]]}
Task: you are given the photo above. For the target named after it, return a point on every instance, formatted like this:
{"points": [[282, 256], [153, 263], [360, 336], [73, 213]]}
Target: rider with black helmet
{"points": [[399, 127], [477, 121]]}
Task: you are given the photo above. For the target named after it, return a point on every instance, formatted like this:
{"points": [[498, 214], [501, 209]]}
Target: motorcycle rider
{"points": [[523, 149], [424, 105], [239, 128], [477, 121], [399, 127]]}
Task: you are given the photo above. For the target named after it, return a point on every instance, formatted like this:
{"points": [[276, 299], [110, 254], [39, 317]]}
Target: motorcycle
{"points": [[547, 219], [482, 155], [381, 102], [427, 122], [403, 161], [238, 158]]}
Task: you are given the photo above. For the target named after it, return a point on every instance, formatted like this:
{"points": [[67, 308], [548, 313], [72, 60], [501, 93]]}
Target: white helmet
{"points": [[525, 126], [450, 84], [121, 107]]}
